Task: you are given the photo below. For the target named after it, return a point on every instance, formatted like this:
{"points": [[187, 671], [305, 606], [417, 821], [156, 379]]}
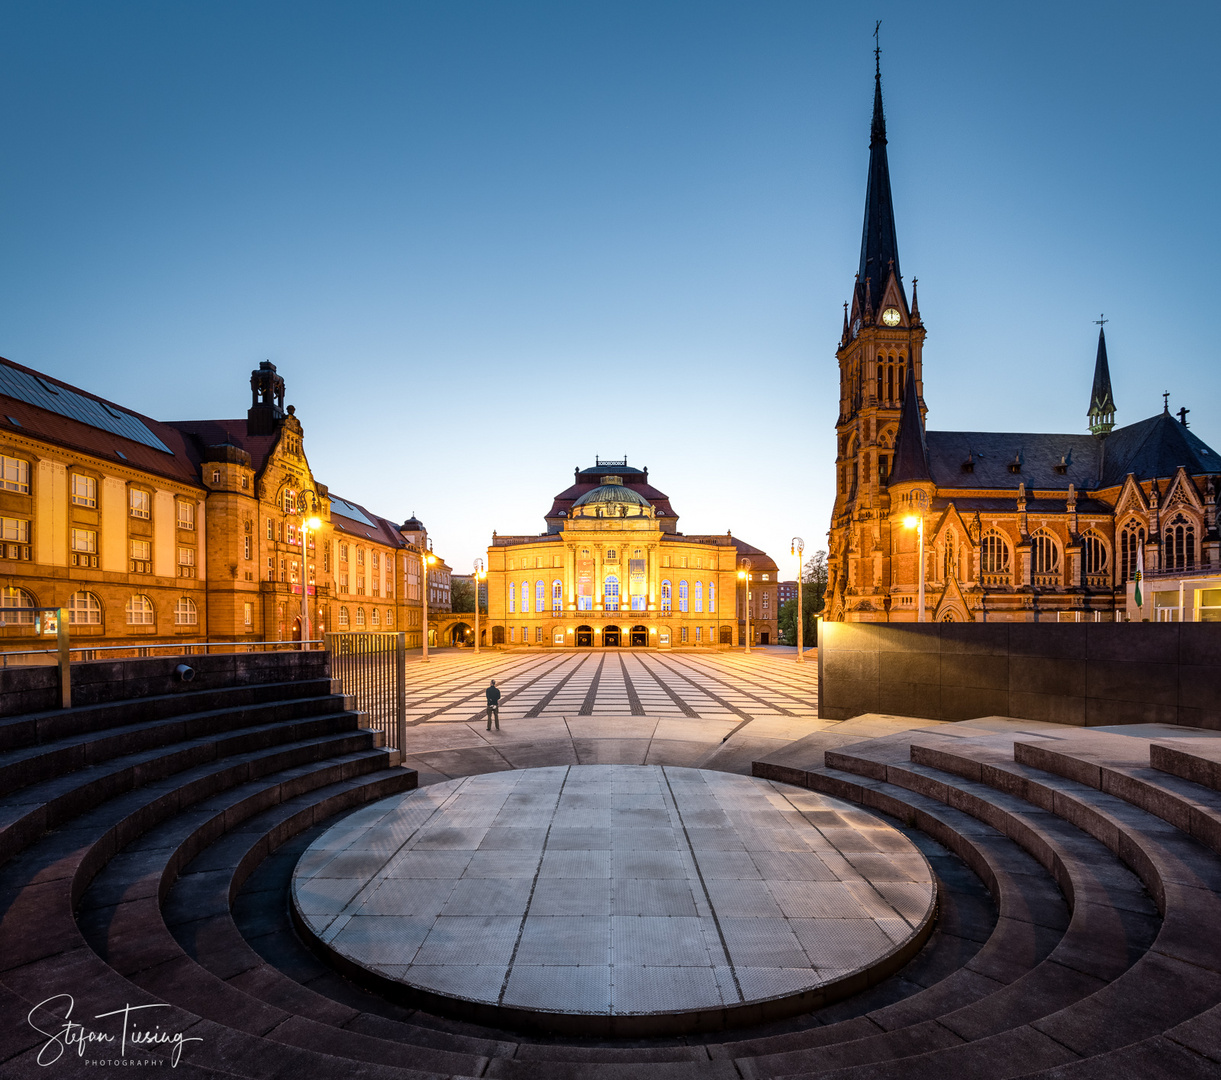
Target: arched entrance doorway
{"points": [[585, 637], [297, 629], [726, 635], [461, 634], [640, 636], [610, 635]]}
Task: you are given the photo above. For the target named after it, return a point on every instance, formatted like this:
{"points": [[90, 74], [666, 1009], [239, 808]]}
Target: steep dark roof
{"points": [[1102, 401], [759, 559], [1155, 448], [993, 454], [204, 433], [911, 452], [879, 245]]}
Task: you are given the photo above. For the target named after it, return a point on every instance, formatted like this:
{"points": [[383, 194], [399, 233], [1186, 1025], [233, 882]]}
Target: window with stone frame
{"points": [[993, 557], [1179, 543], [14, 474], [665, 596], [84, 490], [1095, 557], [84, 609], [1044, 557], [140, 611], [140, 503], [1131, 543], [185, 612]]}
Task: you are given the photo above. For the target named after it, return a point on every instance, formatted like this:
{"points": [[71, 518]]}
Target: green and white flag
{"points": [[1140, 573]]}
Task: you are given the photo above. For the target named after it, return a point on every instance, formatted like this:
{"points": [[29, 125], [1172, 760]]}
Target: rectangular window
{"points": [[141, 557], [16, 474], [247, 547], [360, 583], [186, 556], [84, 540], [271, 529], [140, 503], [374, 560], [84, 490], [343, 552], [245, 482], [682, 634], [343, 581], [186, 515], [15, 530], [538, 633], [292, 534], [271, 568], [248, 613]]}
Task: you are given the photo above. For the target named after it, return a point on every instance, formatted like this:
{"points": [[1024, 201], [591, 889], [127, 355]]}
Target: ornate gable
{"points": [[1131, 499]]}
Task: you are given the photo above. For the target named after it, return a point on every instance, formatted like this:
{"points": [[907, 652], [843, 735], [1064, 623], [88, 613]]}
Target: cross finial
{"points": [[1166, 402], [1183, 416], [1101, 320], [877, 49]]}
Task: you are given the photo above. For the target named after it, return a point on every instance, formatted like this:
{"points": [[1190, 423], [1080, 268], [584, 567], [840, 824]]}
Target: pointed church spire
{"points": [[911, 450], [879, 246], [1102, 402]]}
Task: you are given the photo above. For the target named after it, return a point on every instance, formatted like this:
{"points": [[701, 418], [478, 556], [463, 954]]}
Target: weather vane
{"points": [[877, 48]]}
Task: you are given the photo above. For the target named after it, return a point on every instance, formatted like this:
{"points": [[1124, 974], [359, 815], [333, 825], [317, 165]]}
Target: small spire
{"points": [[845, 337], [911, 449], [1166, 402], [915, 303], [879, 246], [1102, 401]]}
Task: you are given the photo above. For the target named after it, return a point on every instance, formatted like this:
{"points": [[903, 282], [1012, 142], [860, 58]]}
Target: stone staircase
{"points": [[146, 848]]}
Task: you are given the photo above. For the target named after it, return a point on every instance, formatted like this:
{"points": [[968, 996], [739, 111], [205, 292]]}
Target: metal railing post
{"points": [[400, 697], [65, 658]]}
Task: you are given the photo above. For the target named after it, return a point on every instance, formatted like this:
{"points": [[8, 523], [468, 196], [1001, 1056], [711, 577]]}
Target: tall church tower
{"points": [[880, 349]]}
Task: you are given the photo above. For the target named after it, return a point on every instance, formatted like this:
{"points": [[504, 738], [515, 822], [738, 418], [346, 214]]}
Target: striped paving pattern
{"points": [[583, 706]]}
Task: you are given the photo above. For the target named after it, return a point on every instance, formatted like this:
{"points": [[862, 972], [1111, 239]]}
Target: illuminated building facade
{"points": [[612, 570], [153, 533], [1015, 526]]}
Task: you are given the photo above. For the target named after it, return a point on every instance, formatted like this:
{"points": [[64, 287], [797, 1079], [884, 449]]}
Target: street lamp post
{"points": [[744, 574], [917, 523], [799, 545], [312, 523], [479, 576], [426, 560]]}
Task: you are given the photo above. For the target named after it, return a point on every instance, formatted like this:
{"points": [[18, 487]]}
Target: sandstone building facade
{"points": [[612, 570], [151, 533], [1017, 526]]}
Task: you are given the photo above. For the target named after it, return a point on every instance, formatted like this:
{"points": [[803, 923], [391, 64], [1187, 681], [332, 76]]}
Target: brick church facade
{"points": [[1016, 526]]}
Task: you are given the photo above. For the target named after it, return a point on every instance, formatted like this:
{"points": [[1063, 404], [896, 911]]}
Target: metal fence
{"points": [[373, 669]]}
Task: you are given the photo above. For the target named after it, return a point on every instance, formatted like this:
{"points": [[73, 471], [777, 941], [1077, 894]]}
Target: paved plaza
{"points": [[606, 706], [670, 897]]}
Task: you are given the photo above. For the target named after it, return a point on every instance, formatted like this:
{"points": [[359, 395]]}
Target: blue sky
{"points": [[485, 242]]}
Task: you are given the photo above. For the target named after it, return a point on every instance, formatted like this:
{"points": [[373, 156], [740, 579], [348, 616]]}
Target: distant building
{"points": [[786, 590], [1016, 526], [153, 533], [612, 569]]}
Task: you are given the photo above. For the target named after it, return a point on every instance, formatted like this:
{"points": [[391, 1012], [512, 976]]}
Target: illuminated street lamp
{"points": [[917, 523], [744, 574], [799, 545], [312, 523], [427, 559], [480, 574]]}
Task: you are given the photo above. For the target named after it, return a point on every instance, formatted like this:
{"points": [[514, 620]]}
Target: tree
{"points": [[461, 595], [814, 588]]}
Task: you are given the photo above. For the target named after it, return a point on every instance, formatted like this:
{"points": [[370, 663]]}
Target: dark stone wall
{"points": [[1069, 673], [36, 689]]}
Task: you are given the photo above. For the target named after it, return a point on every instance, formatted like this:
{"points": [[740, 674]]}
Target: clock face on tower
{"points": [[891, 316]]}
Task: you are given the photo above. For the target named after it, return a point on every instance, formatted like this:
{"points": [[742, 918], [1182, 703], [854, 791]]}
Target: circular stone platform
{"points": [[615, 899]]}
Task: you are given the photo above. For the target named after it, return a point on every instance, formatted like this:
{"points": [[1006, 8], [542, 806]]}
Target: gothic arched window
{"points": [[1179, 544], [1094, 552], [1131, 541], [994, 554], [1044, 554]]}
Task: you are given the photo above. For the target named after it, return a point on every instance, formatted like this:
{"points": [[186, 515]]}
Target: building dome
{"points": [[611, 498], [413, 524]]}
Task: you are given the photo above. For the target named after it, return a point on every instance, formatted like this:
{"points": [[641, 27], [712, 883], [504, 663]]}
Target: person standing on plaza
{"points": [[493, 696]]}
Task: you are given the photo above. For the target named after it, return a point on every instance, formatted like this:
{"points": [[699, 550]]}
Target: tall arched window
{"points": [[540, 595], [185, 612], [665, 596], [949, 556], [140, 611], [1094, 553], [610, 593], [1179, 544], [711, 596], [84, 609], [890, 382], [525, 597], [512, 596], [360, 618], [699, 596], [881, 369], [1131, 541], [345, 618], [557, 596], [13, 597], [1044, 554], [682, 596], [994, 555], [375, 617]]}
